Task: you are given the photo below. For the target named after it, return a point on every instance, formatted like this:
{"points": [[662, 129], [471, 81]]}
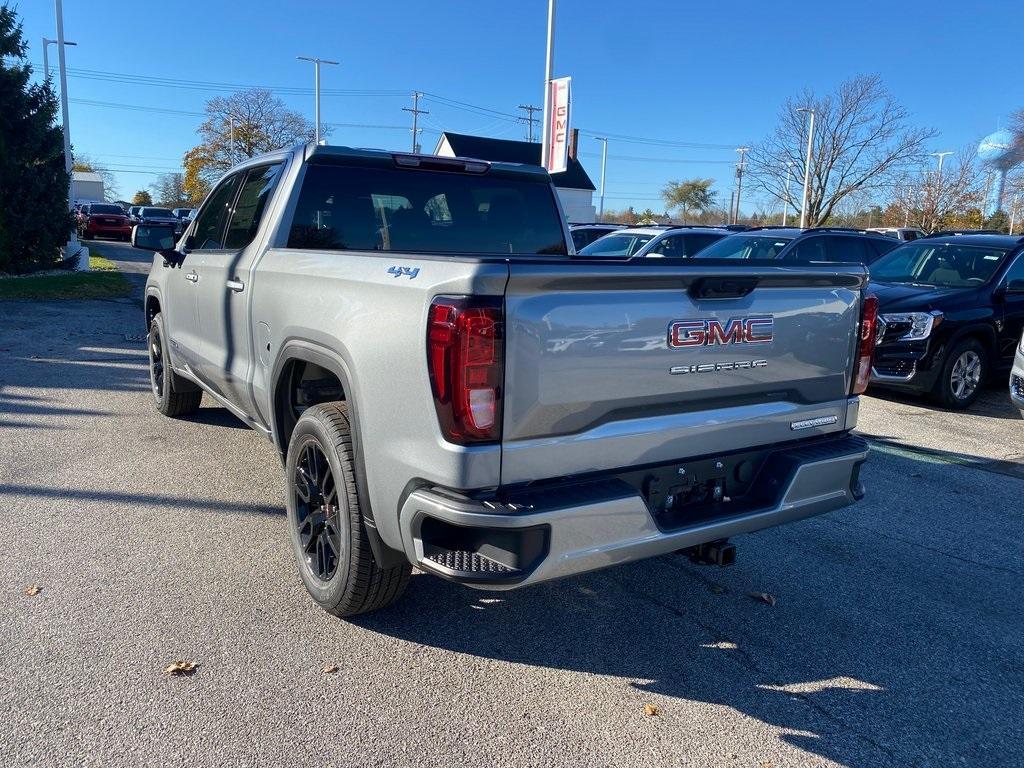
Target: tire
{"points": [[174, 396], [325, 520], [963, 374]]}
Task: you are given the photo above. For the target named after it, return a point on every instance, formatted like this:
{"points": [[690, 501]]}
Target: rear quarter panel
{"points": [[352, 308]]}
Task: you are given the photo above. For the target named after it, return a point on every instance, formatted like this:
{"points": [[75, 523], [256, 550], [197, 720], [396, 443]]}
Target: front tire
{"points": [[963, 375], [174, 396], [325, 520]]}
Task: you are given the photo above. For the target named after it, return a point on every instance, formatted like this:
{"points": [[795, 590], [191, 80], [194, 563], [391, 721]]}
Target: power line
{"points": [[655, 142], [660, 159]]}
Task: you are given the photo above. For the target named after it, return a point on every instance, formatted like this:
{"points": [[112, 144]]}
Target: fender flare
{"points": [[328, 359]]}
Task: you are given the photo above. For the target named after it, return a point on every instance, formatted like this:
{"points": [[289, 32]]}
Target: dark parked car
{"points": [[584, 234], [834, 244], [654, 242], [150, 215], [103, 220], [951, 313]]}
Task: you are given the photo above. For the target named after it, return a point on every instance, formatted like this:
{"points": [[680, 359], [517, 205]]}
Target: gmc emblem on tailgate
{"points": [[711, 333]]}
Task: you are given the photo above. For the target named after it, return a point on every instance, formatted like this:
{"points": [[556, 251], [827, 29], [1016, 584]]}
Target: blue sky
{"points": [[707, 74]]}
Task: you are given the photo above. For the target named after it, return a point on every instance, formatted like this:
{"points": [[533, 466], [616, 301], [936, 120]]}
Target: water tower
{"points": [[998, 153]]}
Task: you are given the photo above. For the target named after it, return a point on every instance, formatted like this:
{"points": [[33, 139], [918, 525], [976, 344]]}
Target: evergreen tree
{"points": [[34, 218]]}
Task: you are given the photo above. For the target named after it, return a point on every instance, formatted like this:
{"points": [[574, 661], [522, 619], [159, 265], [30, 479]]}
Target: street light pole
{"points": [[47, 42], [807, 167], [72, 246], [785, 203], [604, 163], [549, 65], [317, 61]]}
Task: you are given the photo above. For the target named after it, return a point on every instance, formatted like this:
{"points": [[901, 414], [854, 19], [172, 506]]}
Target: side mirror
{"points": [[153, 237]]}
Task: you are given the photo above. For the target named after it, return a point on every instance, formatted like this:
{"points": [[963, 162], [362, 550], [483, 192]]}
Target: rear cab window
{"points": [[377, 208]]}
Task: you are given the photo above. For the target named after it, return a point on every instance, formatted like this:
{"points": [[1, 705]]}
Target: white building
{"points": [[86, 187], [575, 189]]}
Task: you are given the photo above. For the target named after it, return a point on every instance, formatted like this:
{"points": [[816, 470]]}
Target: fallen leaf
{"points": [[180, 668], [32, 590], [330, 669], [764, 597], [717, 589], [650, 710]]}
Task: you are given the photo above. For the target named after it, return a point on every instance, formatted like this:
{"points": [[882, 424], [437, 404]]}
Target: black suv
{"points": [[794, 244], [951, 312]]}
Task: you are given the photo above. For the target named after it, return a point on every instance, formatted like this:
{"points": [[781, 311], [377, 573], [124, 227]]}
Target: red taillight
{"points": [[465, 357], [865, 344]]}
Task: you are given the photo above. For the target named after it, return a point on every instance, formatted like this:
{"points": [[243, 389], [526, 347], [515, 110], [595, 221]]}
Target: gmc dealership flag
{"points": [[558, 130]]}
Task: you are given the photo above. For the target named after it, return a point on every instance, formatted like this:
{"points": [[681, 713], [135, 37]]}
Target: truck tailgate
{"points": [[619, 365]]}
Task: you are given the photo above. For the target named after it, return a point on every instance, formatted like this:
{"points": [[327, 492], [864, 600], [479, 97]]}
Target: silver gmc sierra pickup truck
{"points": [[449, 386]]}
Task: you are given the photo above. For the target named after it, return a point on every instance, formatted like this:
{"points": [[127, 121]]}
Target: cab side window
{"points": [[252, 201], [810, 249], [671, 247], [847, 249], [208, 234]]}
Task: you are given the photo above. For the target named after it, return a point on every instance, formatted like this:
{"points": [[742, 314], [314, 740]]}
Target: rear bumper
{"points": [[586, 526]]}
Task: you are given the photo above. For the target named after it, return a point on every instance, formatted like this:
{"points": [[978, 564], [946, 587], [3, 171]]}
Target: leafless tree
{"points": [[862, 143], [933, 202], [239, 126]]}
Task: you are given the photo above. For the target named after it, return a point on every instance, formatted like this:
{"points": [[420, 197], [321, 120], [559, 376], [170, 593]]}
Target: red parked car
{"points": [[103, 220]]}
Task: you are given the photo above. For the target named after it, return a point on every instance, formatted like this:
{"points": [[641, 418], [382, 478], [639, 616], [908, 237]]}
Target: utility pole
{"points": [[416, 112], [47, 42], [604, 164], [739, 181], [529, 119], [807, 167], [317, 61], [72, 246], [785, 203], [1013, 213], [231, 134], [549, 64]]}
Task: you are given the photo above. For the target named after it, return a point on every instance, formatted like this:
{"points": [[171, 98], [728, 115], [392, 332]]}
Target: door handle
{"points": [[192, 277], [236, 285]]}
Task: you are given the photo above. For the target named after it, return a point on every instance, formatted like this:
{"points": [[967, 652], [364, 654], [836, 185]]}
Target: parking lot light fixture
{"points": [[807, 166], [604, 163], [47, 42], [72, 248], [317, 61]]}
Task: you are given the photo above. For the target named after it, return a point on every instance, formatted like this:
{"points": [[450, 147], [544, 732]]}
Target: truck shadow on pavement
{"points": [[889, 644]]}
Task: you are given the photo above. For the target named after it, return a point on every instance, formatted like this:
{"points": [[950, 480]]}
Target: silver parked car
{"points": [[1017, 377], [654, 242]]}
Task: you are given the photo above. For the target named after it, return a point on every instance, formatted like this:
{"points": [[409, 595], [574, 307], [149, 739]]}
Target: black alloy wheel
{"points": [[316, 507]]}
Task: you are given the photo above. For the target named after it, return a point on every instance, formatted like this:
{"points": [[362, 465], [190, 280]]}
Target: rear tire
{"points": [[174, 396], [963, 375], [325, 519]]}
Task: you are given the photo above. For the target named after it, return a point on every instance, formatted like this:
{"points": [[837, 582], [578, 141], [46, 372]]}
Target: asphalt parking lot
{"points": [[895, 638]]}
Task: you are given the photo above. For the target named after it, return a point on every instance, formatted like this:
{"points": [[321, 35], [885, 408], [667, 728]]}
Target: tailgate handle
{"points": [[722, 287]]}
